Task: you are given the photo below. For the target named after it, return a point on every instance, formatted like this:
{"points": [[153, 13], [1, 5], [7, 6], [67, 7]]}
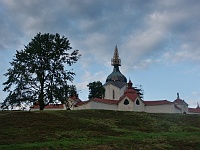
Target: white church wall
{"points": [[117, 92], [138, 106], [125, 104], [132, 106], [122, 91]]}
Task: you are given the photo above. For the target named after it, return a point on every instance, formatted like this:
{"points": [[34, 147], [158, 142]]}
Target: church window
{"points": [[113, 94], [137, 102], [126, 102]]}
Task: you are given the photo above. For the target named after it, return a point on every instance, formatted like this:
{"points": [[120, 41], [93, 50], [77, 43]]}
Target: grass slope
{"points": [[98, 130]]}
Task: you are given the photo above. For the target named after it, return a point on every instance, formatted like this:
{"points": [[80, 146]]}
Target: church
{"points": [[121, 95]]}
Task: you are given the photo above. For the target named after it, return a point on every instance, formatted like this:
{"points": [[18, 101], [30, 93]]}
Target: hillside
{"points": [[98, 130]]}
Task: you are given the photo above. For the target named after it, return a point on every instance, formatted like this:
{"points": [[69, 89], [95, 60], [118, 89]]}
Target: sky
{"points": [[157, 40]]}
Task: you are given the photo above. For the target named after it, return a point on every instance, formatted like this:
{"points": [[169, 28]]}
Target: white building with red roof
{"points": [[122, 96]]}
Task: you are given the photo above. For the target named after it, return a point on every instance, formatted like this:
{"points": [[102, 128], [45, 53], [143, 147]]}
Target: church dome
{"points": [[116, 75]]}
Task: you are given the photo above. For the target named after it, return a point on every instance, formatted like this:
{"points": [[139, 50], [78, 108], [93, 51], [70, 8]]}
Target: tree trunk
{"points": [[41, 95], [42, 107]]}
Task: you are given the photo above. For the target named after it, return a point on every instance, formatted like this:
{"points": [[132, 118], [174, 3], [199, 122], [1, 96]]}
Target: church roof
{"points": [[131, 96], [116, 75], [116, 83], [130, 92], [159, 102], [107, 101]]}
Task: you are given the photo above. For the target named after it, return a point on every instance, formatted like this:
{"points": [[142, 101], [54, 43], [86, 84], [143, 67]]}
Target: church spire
{"points": [[116, 75], [116, 61], [130, 84]]}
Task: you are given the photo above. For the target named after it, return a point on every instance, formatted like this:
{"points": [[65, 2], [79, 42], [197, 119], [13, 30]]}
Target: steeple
{"points": [[116, 61], [116, 75], [130, 84]]}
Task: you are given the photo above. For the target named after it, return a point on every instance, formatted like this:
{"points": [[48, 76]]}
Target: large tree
{"points": [[38, 71], [96, 90]]}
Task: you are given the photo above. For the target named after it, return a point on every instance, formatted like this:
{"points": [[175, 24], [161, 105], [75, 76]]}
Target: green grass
{"points": [[98, 130]]}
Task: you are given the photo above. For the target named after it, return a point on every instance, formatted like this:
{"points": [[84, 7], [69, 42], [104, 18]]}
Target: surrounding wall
{"points": [[97, 105], [84, 106], [139, 107], [165, 108]]}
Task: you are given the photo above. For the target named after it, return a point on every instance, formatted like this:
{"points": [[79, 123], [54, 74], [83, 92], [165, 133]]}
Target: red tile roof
{"points": [[194, 110], [106, 101], [180, 101], [130, 93], [159, 102]]}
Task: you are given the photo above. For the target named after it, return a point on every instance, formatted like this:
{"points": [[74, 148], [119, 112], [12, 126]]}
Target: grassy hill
{"points": [[98, 130]]}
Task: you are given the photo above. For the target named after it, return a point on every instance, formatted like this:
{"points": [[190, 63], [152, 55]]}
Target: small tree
{"points": [[38, 72], [96, 90], [66, 92]]}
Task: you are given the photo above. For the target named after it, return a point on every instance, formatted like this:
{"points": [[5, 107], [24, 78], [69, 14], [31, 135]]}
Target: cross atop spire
{"points": [[116, 61]]}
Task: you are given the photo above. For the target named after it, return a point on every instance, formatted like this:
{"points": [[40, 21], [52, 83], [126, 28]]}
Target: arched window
{"points": [[113, 94], [137, 102], [126, 102]]}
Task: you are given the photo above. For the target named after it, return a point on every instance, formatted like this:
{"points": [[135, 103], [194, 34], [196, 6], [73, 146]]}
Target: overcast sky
{"points": [[158, 40]]}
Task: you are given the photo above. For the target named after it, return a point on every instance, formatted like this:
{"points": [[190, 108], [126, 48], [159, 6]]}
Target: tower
{"points": [[116, 82]]}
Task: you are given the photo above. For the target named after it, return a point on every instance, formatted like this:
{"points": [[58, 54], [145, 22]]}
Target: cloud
{"points": [[146, 33], [140, 30], [10, 35], [88, 77]]}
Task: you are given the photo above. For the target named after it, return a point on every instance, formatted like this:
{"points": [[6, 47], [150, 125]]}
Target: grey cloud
{"points": [[141, 29], [10, 34]]}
